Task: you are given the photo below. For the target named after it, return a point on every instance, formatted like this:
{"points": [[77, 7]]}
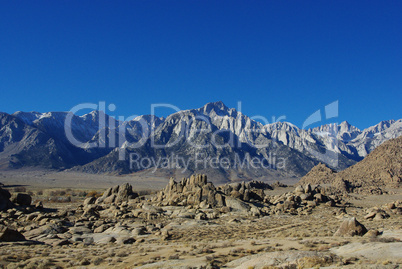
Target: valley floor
{"points": [[232, 241]]}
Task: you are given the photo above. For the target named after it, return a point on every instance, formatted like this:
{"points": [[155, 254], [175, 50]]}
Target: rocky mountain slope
{"points": [[380, 170], [188, 141]]}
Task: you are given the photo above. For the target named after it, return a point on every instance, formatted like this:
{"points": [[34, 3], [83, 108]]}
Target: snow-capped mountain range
{"points": [[212, 131]]}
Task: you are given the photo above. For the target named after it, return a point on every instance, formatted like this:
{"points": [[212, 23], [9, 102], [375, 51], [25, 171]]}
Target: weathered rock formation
{"points": [[22, 199], [246, 191], [194, 191], [351, 227], [116, 194], [303, 198], [10, 235], [5, 202]]}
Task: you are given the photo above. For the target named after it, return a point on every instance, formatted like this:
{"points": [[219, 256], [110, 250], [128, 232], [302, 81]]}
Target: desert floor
{"points": [[231, 241]]}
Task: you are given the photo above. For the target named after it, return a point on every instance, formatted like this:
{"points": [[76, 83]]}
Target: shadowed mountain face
{"points": [[213, 139], [24, 145]]}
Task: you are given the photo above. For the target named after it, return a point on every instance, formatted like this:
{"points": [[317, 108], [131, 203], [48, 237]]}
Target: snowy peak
{"points": [[379, 128], [217, 109], [347, 132], [200, 126], [27, 117], [216, 106], [344, 132], [282, 126], [346, 127]]}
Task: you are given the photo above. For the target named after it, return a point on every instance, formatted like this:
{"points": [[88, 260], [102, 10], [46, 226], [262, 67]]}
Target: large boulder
{"points": [[118, 194], [22, 199], [351, 227], [45, 230], [10, 235], [5, 202]]}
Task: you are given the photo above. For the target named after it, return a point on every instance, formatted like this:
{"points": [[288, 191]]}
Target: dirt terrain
{"points": [[194, 224]]}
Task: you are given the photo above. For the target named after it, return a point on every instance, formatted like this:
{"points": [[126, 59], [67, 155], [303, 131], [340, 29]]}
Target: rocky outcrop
{"points": [[22, 199], [320, 174], [303, 198], [8, 201], [195, 191], [246, 191], [351, 227], [380, 170], [5, 202], [116, 194], [10, 235]]}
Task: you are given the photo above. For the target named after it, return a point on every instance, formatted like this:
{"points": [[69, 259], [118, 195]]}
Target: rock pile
{"points": [[116, 194], [246, 191], [319, 174], [8, 201], [302, 198], [195, 191], [121, 216], [384, 212], [5, 202]]}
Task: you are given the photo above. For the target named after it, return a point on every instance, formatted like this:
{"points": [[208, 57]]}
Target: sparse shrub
{"points": [[93, 194], [58, 199], [145, 192], [82, 194]]}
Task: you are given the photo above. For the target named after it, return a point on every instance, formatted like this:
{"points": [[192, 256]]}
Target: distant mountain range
{"points": [[213, 139]]}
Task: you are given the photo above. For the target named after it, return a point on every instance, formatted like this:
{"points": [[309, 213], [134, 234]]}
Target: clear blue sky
{"points": [[277, 57]]}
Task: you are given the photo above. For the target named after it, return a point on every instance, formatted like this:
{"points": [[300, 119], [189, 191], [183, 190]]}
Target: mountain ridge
{"points": [[100, 142]]}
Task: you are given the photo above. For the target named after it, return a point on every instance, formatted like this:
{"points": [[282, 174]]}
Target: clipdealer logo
{"points": [[113, 130]]}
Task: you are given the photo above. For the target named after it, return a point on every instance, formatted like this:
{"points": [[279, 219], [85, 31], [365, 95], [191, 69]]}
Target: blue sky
{"points": [[277, 57]]}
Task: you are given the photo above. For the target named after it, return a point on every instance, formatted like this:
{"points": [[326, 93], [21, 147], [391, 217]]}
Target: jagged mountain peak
{"points": [[148, 118], [236, 132], [219, 105], [94, 115], [27, 117], [281, 125], [379, 127], [346, 126], [219, 109]]}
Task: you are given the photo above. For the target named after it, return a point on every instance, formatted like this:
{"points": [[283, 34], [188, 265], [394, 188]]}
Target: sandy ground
{"points": [[232, 241], [37, 179], [34, 179]]}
